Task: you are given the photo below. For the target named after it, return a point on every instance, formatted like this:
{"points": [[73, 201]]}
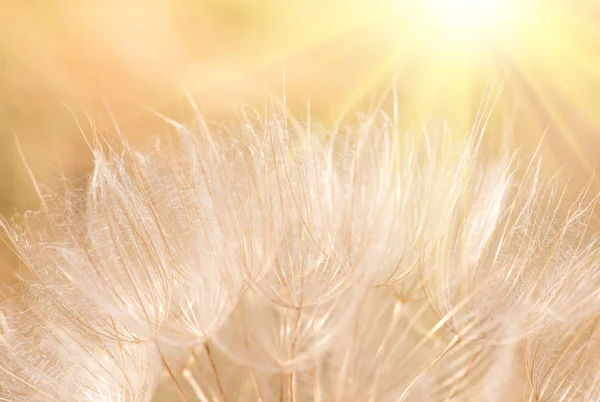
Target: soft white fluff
{"points": [[282, 262]]}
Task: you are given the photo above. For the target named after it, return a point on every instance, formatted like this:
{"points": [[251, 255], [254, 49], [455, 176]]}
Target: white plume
{"points": [[282, 262]]}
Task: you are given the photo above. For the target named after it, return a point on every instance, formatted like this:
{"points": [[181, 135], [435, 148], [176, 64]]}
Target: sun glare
{"points": [[471, 14], [469, 22]]}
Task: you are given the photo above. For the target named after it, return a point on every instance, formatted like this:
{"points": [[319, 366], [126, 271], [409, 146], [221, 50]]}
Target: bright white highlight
{"points": [[474, 17], [467, 22]]}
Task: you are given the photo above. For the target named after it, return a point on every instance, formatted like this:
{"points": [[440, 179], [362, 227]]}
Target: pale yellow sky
{"points": [[86, 54]]}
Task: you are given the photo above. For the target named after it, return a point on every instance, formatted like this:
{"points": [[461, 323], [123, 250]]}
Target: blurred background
{"points": [[532, 67]]}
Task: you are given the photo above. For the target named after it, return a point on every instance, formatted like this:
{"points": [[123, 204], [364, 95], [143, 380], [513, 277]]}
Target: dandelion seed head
{"points": [[272, 263]]}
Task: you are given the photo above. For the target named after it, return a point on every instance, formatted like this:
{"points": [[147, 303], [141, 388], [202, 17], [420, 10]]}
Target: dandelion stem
{"points": [[194, 384], [213, 366], [281, 386], [172, 376]]}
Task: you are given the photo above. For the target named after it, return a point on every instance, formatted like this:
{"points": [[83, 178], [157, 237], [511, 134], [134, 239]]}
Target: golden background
{"points": [[63, 60]]}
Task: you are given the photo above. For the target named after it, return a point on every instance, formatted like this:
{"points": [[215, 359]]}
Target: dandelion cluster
{"points": [[286, 262]]}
